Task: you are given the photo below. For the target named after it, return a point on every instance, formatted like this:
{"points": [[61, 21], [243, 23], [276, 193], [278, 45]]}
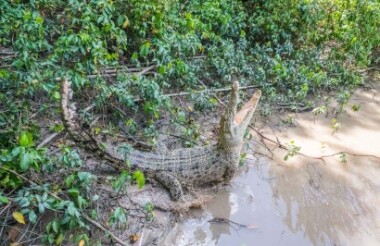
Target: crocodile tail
{"points": [[81, 133]]}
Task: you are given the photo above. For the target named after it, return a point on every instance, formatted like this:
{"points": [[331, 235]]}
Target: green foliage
{"points": [[120, 182], [140, 178], [70, 158], [148, 208], [292, 149], [21, 158], [3, 199], [343, 157], [118, 217], [335, 125]]}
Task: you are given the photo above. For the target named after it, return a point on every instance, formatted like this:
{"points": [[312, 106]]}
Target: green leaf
{"points": [[59, 239], [355, 107], [118, 216], [73, 192], [119, 183], [126, 22], [84, 176], [161, 70], [72, 210], [41, 208], [140, 178], [24, 162], [144, 49], [32, 216], [69, 180], [82, 202], [25, 139], [55, 226], [4, 74], [3, 199], [56, 95], [5, 180], [16, 151]]}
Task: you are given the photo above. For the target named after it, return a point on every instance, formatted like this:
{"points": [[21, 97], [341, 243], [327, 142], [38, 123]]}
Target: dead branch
{"points": [[368, 69], [179, 94], [47, 140], [228, 221]]}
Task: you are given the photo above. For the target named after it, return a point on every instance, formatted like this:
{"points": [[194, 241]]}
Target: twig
{"points": [[113, 72], [94, 223], [89, 107], [5, 208], [228, 221], [180, 137], [368, 69], [99, 226], [47, 140], [5, 222], [95, 120], [26, 242], [298, 107], [5, 52], [147, 69], [25, 232], [209, 90], [142, 236], [348, 153]]}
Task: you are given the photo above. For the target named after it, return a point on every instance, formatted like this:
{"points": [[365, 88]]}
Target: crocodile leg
{"points": [[171, 183]]}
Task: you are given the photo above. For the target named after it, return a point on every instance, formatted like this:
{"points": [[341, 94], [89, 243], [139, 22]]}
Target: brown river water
{"points": [[304, 200]]}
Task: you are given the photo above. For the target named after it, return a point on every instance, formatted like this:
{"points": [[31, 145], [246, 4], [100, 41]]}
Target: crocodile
{"points": [[177, 168]]}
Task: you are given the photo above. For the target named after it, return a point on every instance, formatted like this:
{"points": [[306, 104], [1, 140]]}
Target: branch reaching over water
{"points": [[284, 147]]}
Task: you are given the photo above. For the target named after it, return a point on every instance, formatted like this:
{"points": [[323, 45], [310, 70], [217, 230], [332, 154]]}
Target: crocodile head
{"points": [[233, 124]]}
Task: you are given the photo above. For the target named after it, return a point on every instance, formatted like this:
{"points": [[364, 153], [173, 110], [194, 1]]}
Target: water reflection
{"points": [[330, 208], [305, 204]]}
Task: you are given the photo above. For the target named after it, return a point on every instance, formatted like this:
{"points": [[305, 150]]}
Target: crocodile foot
{"points": [[171, 183]]}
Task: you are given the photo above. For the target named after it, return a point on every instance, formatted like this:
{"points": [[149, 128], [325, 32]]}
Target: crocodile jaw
{"points": [[233, 126]]}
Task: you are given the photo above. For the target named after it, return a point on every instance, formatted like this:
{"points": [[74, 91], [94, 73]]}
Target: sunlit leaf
{"points": [[140, 178], [19, 217], [126, 22], [81, 242]]}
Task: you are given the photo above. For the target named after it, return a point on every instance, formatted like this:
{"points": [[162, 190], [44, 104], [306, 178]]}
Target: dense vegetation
{"points": [[129, 54]]}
